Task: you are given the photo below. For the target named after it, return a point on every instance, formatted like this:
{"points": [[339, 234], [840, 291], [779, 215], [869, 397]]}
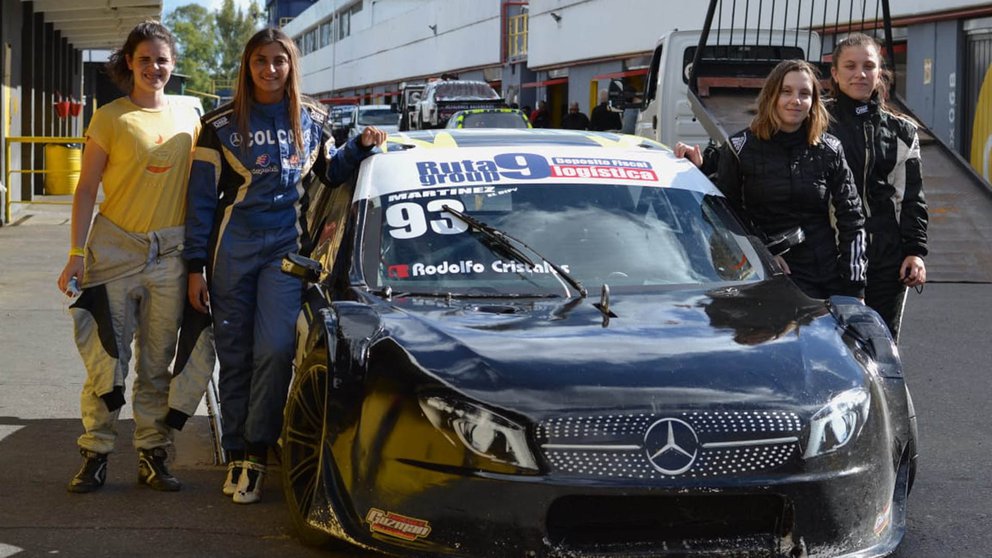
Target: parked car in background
{"points": [[342, 118], [409, 98], [383, 117], [489, 118], [564, 343], [442, 98]]}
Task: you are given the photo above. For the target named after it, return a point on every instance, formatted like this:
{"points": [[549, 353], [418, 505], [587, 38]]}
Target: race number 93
{"points": [[410, 220]]}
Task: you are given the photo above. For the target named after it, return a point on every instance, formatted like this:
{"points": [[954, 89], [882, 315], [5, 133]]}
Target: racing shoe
{"points": [[234, 467], [153, 472], [249, 489], [92, 474]]}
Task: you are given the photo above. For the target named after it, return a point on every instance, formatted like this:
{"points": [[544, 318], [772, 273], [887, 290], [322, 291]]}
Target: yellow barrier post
{"points": [[66, 172]]}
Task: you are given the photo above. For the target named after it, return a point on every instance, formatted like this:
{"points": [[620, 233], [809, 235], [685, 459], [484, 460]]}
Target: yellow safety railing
{"points": [[222, 84], [8, 159]]}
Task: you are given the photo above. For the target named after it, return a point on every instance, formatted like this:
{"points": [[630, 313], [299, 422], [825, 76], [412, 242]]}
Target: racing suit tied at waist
{"points": [[113, 253]]}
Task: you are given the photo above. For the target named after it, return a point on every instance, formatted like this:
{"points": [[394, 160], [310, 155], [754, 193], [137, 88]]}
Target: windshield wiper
{"points": [[504, 242]]}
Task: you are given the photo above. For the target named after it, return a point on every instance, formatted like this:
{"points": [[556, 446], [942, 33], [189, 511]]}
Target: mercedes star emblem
{"points": [[671, 446]]}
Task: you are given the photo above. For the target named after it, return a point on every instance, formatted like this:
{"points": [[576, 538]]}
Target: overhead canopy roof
{"points": [[97, 24]]}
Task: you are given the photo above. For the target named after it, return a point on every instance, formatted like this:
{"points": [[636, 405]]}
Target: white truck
{"points": [[668, 113]]}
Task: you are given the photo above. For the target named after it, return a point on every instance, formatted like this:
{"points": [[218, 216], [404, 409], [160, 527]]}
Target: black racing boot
{"points": [[153, 472], [92, 474]]}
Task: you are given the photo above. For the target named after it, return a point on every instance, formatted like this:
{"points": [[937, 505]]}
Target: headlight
{"points": [[483, 432], [838, 422]]}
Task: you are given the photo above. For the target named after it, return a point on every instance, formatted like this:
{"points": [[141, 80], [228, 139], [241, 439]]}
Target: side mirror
{"points": [[302, 267], [617, 99]]}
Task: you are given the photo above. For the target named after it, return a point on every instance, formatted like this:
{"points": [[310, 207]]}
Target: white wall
{"points": [[590, 29], [391, 40], [603, 28]]}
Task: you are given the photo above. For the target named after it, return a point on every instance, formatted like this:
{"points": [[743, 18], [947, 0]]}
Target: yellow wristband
{"points": [[77, 252]]}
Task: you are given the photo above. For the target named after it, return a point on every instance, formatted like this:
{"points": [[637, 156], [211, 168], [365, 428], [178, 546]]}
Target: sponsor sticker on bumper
{"points": [[396, 525]]}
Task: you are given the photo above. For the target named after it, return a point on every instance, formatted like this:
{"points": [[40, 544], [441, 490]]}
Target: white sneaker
{"points": [[249, 489], [233, 475]]}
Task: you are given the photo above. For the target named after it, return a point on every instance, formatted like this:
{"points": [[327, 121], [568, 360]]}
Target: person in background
{"points": [[883, 151], [630, 114], [575, 120], [127, 262], [785, 172], [604, 119], [540, 118], [247, 202]]}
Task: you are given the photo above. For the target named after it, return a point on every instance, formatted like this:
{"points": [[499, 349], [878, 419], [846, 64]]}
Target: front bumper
{"points": [[421, 496]]}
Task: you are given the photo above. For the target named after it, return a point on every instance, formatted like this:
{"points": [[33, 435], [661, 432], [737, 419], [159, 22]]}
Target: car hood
{"points": [[758, 345]]}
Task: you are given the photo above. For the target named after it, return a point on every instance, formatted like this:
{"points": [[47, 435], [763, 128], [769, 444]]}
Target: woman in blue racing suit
{"points": [[246, 212]]}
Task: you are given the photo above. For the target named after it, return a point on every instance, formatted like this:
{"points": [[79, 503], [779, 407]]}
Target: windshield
{"points": [[378, 117], [624, 236], [493, 120], [465, 89]]}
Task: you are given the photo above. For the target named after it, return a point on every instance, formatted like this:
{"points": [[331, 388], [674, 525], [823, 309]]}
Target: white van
{"points": [[187, 100]]}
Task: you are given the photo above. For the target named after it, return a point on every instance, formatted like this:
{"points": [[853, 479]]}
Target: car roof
{"points": [[480, 158], [457, 119]]}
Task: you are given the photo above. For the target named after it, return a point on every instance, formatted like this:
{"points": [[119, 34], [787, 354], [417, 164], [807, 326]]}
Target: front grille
{"points": [[724, 524], [721, 442]]}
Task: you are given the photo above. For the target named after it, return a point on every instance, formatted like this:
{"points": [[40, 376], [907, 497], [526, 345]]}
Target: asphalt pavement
{"points": [[945, 348]]}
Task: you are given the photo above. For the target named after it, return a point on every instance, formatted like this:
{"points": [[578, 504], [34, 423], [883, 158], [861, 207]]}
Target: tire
{"points": [[303, 449]]}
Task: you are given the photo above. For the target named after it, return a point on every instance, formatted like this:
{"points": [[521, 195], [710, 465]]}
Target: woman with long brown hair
{"points": [[785, 172], [246, 212]]}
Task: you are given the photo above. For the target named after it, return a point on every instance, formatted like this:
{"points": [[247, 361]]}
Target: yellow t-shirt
{"points": [[149, 157]]}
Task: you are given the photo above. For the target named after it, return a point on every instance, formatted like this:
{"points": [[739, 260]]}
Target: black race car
{"points": [[543, 343]]}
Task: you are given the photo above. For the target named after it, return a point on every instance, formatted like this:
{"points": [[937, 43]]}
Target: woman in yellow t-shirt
{"points": [[127, 263]]}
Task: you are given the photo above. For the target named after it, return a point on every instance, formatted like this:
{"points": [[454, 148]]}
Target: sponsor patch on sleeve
{"points": [[220, 122], [317, 115]]}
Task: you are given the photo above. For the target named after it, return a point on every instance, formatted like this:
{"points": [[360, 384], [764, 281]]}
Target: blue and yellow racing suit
{"points": [[246, 212]]}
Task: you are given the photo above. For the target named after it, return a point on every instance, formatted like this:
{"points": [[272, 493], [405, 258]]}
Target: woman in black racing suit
{"points": [[883, 151], [784, 171]]}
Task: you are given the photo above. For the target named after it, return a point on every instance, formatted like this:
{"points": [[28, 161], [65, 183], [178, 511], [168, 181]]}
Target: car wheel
{"points": [[303, 437]]}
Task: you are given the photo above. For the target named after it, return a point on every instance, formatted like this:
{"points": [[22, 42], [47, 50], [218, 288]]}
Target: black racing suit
{"points": [[883, 152], [783, 183]]}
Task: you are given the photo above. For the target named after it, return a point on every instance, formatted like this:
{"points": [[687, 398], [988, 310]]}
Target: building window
{"points": [[516, 37], [344, 25], [344, 19], [326, 33], [310, 41]]}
